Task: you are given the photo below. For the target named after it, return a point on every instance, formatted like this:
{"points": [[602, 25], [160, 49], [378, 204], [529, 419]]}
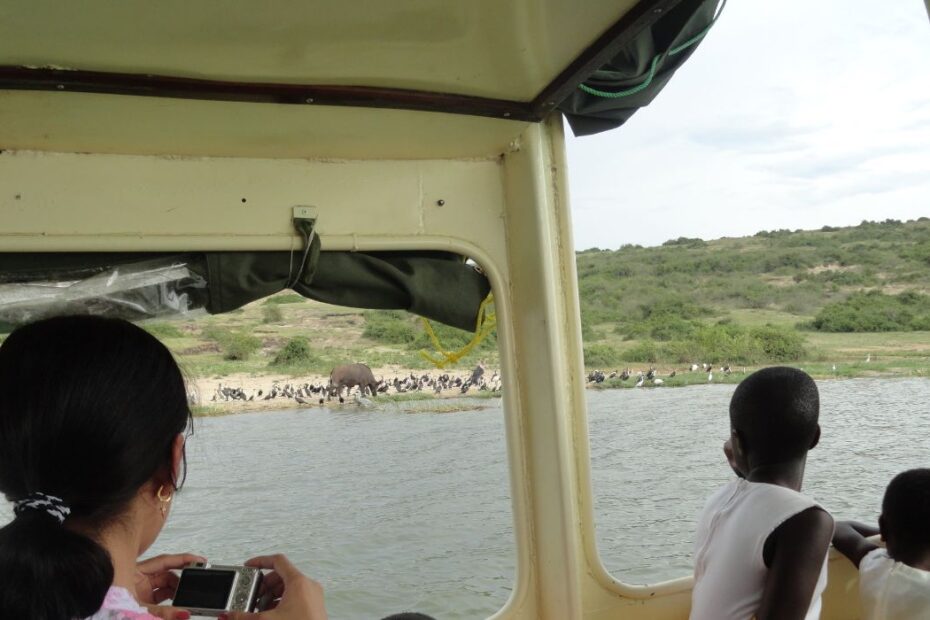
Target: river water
{"points": [[395, 511]]}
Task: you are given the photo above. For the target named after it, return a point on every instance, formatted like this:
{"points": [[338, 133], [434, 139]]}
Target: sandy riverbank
{"points": [[204, 390]]}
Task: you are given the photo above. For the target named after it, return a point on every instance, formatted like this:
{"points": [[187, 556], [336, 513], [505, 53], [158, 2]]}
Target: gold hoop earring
{"points": [[164, 500]]}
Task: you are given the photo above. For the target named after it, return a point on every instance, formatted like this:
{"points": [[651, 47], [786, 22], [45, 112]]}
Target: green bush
{"points": [[848, 278], [389, 327], [713, 343], [646, 351], [296, 352], [777, 343], [240, 346], [672, 328], [662, 329], [686, 241], [724, 342], [754, 294], [664, 317], [272, 314], [875, 311], [601, 356], [235, 345], [671, 306]]}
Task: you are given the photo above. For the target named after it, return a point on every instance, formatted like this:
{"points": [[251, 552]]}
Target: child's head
{"points": [[773, 417], [905, 520]]}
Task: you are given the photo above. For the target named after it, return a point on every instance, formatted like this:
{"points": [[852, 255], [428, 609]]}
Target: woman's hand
{"points": [[156, 583], [293, 596]]}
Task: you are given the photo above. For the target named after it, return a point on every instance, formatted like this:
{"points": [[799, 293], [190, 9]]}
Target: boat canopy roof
{"points": [[481, 48], [359, 80], [187, 78]]}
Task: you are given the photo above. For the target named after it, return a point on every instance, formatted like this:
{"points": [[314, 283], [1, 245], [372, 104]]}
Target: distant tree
{"points": [[692, 242]]}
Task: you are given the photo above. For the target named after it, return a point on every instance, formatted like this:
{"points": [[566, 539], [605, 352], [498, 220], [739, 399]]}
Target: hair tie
{"points": [[51, 505]]}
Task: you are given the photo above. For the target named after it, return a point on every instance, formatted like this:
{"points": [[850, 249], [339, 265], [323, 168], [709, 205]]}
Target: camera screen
{"points": [[204, 588]]}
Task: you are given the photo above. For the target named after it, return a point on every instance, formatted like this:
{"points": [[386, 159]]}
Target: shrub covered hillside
{"points": [[753, 299]]}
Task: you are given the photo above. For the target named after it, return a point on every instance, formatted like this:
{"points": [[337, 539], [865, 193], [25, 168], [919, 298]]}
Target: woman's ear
{"points": [[177, 458]]}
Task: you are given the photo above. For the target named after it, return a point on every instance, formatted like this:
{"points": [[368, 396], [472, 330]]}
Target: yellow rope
{"points": [[484, 325]]}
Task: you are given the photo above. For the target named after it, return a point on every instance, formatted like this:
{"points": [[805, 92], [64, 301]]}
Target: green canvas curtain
{"points": [[437, 285]]}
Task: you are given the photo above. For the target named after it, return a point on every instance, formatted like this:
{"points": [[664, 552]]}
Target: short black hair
{"points": [[906, 508], [409, 615], [775, 412]]}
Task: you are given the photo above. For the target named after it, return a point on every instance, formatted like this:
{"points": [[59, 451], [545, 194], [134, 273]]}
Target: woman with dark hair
{"points": [[93, 414]]}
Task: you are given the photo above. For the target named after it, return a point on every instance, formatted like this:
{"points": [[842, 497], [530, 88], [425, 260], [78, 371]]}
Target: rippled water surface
{"points": [[395, 511], [657, 454]]}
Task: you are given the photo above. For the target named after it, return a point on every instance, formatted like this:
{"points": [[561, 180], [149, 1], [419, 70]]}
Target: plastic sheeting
{"points": [[632, 67], [134, 291], [437, 285]]}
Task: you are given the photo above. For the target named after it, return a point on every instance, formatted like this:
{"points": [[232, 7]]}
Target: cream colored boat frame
{"points": [[508, 211]]}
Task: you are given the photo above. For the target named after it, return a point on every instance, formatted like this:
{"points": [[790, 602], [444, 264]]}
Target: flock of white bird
{"points": [[651, 376]]}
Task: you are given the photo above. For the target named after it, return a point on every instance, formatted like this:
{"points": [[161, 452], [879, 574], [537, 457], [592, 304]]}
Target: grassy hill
{"points": [[769, 297], [792, 273], [813, 298]]}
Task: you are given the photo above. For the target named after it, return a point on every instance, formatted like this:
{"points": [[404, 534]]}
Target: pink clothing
{"points": [[119, 604]]}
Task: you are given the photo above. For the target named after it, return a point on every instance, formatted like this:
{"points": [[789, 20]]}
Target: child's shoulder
{"points": [[721, 495], [878, 561], [777, 495], [744, 490], [876, 558]]}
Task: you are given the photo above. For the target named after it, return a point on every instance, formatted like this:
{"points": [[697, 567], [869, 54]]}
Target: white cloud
{"points": [[791, 114]]}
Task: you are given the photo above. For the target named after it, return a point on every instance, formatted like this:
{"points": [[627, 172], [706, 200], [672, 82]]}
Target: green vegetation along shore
{"points": [[839, 302]]}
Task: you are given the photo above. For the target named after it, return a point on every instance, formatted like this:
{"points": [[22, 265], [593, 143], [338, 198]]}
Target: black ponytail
{"points": [[75, 570], [89, 411]]}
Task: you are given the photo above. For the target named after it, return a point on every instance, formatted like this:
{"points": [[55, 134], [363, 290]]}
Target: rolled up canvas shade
{"points": [[437, 285], [636, 74]]}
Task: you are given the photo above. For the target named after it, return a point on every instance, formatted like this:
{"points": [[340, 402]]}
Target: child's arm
{"points": [[850, 540], [800, 548]]}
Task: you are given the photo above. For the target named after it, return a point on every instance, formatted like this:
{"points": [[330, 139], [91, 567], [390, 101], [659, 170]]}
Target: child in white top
{"points": [[894, 583], [761, 545]]}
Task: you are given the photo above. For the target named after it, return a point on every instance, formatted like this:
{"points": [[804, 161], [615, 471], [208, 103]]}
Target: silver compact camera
{"points": [[209, 590]]}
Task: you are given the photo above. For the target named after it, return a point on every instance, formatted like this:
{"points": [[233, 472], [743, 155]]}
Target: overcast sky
{"points": [[791, 114]]}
